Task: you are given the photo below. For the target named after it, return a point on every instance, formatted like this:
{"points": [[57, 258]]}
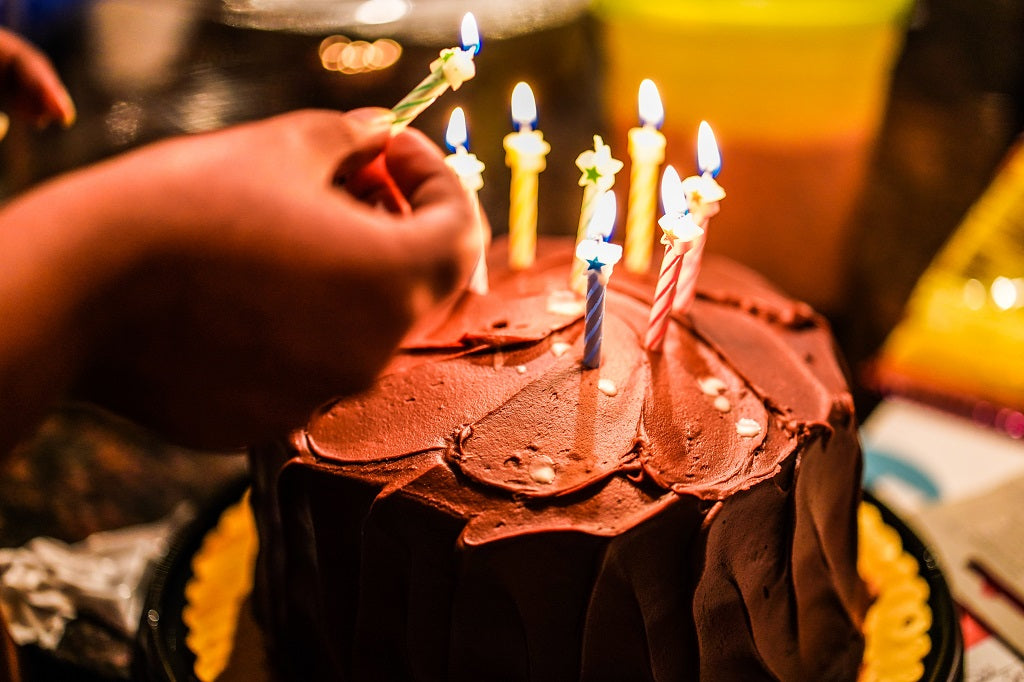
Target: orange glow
{"points": [[339, 53]]}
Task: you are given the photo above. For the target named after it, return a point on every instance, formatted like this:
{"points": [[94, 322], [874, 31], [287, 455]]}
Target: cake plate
{"points": [[164, 653]]}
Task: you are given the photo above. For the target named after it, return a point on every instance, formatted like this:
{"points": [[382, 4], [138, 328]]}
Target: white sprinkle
{"points": [[748, 428], [712, 386], [559, 348], [542, 469], [521, 369], [566, 303], [722, 404], [607, 386]]}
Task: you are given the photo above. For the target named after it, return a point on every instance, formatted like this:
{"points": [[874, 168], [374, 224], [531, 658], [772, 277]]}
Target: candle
{"points": [[598, 256], [646, 152], [525, 152], [598, 170], [451, 69], [703, 195], [679, 232], [470, 171]]}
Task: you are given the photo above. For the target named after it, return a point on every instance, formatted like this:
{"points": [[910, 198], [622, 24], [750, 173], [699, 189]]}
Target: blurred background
{"points": [[855, 134]]}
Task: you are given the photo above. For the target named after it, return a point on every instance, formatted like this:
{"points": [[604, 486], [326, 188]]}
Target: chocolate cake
{"points": [[490, 510]]}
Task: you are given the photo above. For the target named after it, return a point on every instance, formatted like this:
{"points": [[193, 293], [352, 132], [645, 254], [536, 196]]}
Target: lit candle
{"points": [[703, 195], [598, 256], [525, 152], [451, 69], [679, 232], [598, 169], [470, 171], [646, 152]]}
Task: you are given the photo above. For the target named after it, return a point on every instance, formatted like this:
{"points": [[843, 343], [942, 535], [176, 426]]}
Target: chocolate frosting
{"points": [[492, 510]]}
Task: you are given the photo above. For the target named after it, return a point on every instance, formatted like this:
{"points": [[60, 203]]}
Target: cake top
{"points": [[487, 411]]}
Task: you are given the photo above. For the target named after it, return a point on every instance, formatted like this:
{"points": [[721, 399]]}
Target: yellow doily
{"points": [[221, 582], [896, 626]]}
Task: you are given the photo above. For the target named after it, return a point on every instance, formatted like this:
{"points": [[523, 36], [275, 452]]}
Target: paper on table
{"points": [[981, 545], [46, 583], [961, 487]]}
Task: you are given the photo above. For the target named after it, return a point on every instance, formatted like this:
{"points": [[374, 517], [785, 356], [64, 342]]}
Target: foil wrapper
{"points": [[47, 583]]}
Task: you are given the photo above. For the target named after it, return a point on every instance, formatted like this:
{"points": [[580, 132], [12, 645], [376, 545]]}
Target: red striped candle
{"points": [[680, 233]]}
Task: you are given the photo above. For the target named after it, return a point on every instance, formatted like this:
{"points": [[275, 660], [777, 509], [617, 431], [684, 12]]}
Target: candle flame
{"points": [[672, 196], [709, 158], [470, 33], [652, 112], [524, 106], [456, 135], [602, 222]]}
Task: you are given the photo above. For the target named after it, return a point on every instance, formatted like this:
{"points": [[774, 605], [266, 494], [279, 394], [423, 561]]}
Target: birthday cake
{"points": [[491, 509]]}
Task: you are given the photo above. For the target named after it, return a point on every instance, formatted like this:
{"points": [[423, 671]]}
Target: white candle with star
{"points": [[470, 171], [525, 152], [703, 196], [598, 257], [598, 169], [451, 69], [646, 153]]}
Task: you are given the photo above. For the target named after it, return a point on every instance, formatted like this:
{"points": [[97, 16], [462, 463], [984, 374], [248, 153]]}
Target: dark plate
{"points": [[162, 655]]}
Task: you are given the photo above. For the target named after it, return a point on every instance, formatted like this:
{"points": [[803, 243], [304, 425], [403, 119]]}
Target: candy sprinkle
{"points": [[608, 387], [748, 428]]}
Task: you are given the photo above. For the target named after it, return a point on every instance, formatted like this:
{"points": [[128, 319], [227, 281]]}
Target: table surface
{"points": [[956, 105]]}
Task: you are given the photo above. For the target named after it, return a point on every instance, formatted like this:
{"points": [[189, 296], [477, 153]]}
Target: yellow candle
{"points": [[598, 169], [646, 153], [525, 153], [470, 171]]}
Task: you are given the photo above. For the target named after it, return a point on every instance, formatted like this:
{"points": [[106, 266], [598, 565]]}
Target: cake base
{"points": [[199, 625]]}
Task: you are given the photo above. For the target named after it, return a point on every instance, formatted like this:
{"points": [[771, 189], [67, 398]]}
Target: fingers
{"points": [[372, 185], [417, 166], [371, 132], [47, 98], [343, 142]]}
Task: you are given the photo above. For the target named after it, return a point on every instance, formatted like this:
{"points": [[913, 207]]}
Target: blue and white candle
{"points": [[598, 256]]}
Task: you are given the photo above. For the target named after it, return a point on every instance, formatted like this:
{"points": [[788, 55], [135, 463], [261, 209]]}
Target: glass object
{"points": [[795, 91]]}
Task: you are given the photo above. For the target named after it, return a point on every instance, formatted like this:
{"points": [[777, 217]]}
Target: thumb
{"points": [[368, 132], [338, 143]]}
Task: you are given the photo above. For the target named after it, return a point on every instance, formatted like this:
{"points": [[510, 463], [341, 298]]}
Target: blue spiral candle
{"points": [[599, 256]]}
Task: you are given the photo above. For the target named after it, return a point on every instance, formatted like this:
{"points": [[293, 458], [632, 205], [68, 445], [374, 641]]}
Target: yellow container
{"points": [[795, 91]]}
